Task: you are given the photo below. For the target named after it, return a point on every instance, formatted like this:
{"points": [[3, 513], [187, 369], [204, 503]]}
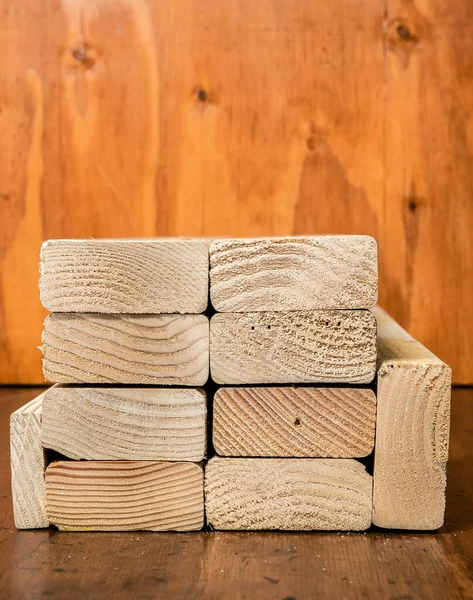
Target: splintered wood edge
{"points": [[28, 465], [414, 389]]}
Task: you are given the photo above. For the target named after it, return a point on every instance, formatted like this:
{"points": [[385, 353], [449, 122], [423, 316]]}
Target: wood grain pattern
{"points": [[125, 496], [28, 462], [379, 565], [142, 349], [262, 118], [294, 422], [125, 276], [293, 273], [288, 494], [116, 423], [412, 431], [293, 347]]}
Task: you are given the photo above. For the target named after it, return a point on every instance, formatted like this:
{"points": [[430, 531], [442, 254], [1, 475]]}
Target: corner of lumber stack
{"points": [[294, 273], [28, 463], [125, 496], [412, 431], [125, 423], [318, 346], [288, 494], [127, 349], [125, 276]]}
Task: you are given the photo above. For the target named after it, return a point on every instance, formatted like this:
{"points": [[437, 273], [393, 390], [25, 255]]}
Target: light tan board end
{"points": [[323, 346], [28, 463], [288, 494], [140, 349], [290, 421], [125, 276], [412, 431], [294, 273], [137, 423], [125, 496]]}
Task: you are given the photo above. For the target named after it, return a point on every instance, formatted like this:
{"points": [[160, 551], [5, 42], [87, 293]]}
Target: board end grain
{"points": [[412, 431]]}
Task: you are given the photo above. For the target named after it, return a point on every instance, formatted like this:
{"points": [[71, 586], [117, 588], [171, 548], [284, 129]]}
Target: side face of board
{"points": [[324, 346], [294, 422], [125, 276], [125, 496], [412, 432], [28, 463], [287, 494], [294, 273], [112, 423], [141, 349]]}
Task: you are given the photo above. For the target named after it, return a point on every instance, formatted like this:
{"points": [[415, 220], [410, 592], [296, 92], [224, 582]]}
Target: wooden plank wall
{"points": [[196, 117]]}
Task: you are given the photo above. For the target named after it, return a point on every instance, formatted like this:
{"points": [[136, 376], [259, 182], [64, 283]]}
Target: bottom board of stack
{"points": [[254, 457]]}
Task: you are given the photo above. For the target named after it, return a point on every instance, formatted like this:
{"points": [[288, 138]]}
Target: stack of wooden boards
{"points": [[295, 351]]}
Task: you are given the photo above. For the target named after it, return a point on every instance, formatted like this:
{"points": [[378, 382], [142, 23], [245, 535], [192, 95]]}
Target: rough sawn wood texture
{"points": [[294, 421], [412, 431], [117, 423], [289, 494], [323, 346], [125, 276], [125, 495], [128, 349], [28, 462], [294, 273]]}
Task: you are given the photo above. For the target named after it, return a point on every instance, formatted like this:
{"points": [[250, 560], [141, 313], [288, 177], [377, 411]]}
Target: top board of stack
{"points": [[294, 347]]}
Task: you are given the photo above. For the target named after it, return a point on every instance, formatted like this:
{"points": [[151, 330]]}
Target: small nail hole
{"points": [[297, 422], [339, 323], [252, 328], [269, 326], [326, 323]]}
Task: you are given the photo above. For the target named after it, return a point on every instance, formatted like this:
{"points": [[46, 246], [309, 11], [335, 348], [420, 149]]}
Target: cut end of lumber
{"points": [[412, 431], [28, 463], [125, 423], [127, 349], [125, 496], [125, 276], [294, 273], [294, 422], [323, 346], [287, 494]]}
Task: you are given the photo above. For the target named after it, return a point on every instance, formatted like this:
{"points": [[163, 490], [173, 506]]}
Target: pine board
{"points": [[287, 494], [293, 347], [294, 422], [125, 496], [412, 431], [294, 273], [28, 463], [118, 423], [125, 276], [128, 349]]}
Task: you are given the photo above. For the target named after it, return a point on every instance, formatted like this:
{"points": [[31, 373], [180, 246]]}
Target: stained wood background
{"points": [[197, 117]]}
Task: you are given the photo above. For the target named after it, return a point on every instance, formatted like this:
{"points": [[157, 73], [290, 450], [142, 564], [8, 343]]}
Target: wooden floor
{"points": [[48, 564]]}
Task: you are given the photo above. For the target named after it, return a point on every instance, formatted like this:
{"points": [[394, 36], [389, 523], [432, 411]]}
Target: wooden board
{"points": [[28, 463], [141, 349], [290, 494], [412, 431], [125, 496], [326, 346], [294, 421], [293, 273], [125, 276], [117, 423]]}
